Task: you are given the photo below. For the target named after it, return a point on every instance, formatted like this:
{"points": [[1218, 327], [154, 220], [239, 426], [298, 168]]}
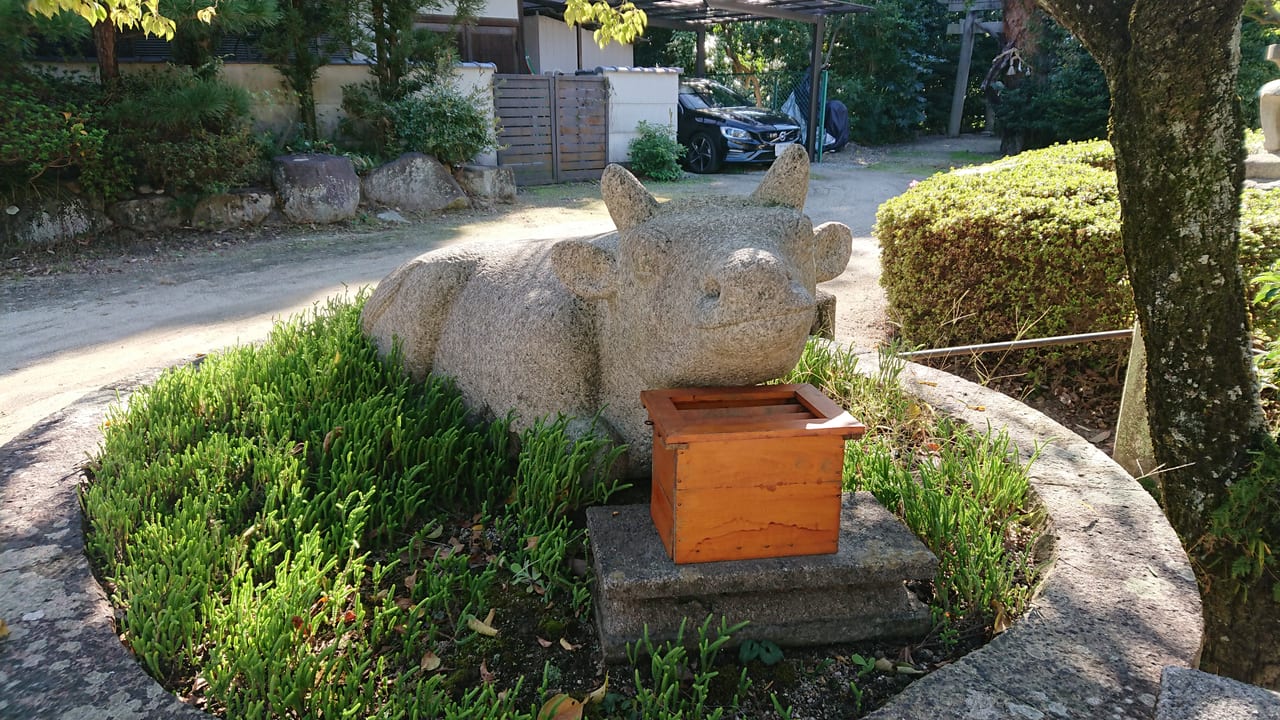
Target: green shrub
{"points": [[655, 153], [183, 132], [438, 120], [1028, 246], [44, 134]]}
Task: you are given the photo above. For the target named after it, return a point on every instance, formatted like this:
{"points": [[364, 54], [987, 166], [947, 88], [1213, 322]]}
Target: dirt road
{"points": [[64, 335]]}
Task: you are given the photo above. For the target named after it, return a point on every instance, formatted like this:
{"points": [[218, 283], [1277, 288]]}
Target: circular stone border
{"points": [[1117, 605]]}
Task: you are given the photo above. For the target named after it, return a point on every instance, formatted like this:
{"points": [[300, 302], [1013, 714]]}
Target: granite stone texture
{"points": [[316, 188], [158, 212], [414, 182], [709, 291], [228, 210], [1193, 695], [497, 184], [854, 594]]}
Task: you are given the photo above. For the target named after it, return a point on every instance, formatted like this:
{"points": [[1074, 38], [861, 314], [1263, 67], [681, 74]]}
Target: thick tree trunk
{"points": [[104, 45], [1171, 66]]}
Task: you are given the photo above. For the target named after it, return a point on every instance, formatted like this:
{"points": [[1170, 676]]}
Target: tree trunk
{"points": [[1018, 61], [104, 46], [1171, 67]]}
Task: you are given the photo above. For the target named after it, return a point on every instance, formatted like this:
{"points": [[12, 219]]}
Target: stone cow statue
{"points": [[708, 291]]}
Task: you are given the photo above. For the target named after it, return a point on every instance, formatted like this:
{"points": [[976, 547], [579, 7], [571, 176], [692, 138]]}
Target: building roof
{"points": [[693, 14]]}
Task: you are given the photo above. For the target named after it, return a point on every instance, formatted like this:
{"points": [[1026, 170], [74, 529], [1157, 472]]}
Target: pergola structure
{"points": [[698, 15]]}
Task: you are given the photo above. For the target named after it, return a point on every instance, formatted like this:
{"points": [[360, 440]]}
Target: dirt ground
{"points": [[76, 318]]}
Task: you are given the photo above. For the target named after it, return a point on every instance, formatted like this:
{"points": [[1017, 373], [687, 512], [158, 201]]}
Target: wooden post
{"points": [[962, 73], [815, 73], [701, 61]]}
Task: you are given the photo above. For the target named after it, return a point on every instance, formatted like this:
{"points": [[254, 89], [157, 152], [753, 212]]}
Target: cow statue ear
{"points": [[588, 270], [628, 202], [787, 182], [832, 248]]}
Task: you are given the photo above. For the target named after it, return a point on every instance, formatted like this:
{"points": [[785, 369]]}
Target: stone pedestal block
{"points": [[490, 183], [316, 188], [1262, 166], [824, 317], [858, 593]]}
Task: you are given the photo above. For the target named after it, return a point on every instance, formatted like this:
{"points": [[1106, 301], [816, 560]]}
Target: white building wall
{"points": [[478, 78], [553, 46], [637, 94], [505, 9]]}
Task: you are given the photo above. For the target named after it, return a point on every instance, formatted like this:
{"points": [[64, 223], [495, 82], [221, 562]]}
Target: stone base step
{"points": [[857, 593]]}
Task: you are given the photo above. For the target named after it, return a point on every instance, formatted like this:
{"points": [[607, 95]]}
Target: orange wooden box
{"points": [[747, 472]]}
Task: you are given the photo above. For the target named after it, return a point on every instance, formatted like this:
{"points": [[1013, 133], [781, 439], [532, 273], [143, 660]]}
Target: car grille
{"points": [[781, 136]]}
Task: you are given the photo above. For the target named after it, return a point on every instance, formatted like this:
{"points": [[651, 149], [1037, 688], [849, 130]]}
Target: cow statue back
{"points": [[706, 291]]}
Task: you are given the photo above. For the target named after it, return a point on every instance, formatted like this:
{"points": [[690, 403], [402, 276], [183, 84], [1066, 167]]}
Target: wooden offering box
{"points": [[747, 472]]}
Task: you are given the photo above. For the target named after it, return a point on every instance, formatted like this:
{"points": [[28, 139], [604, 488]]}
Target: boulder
{"points": [[488, 183], [228, 210], [51, 220], [414, 182], [148, 213], [316, 188]]}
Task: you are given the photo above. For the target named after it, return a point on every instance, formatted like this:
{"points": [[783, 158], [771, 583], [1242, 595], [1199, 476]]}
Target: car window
{"points": [[711, 94]]}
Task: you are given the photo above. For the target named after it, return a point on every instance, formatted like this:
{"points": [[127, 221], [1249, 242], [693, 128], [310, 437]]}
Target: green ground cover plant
{"points": [[297, 530], [655, 153]]}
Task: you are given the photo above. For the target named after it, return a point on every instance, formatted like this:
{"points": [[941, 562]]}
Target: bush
{"points": [[655, 153], [182, 132], [438, 120], [1027, 246], [38, 133]]}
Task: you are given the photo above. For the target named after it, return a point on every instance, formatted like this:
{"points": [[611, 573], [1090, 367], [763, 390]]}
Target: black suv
{"points": [[717, 125]]}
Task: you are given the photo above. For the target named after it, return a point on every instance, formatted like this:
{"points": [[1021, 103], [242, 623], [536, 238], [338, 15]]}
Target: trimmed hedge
{"points": [[1028, 246]]}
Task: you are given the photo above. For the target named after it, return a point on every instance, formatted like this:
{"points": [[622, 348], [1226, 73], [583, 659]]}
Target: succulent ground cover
{"points": [[296, 530]]}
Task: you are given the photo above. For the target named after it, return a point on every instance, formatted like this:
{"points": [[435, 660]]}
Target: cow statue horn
{"points": [[787, 182]]}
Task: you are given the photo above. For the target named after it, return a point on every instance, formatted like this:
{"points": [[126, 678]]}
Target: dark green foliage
{"points": [[1065, 100], [655, 152], [41, 130], [880, 68], [195, 41], [1255, 69], [441, 121], [1027, 246], [181, 131]]}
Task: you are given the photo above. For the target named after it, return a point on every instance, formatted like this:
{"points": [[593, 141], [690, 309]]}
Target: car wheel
{"points": [[704, 154]]}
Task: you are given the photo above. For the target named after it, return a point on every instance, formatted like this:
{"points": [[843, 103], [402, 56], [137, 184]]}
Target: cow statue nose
{"points": [[753, 280]]}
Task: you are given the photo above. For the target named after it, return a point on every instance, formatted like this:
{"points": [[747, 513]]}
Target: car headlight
{"points": [[735, 133]]}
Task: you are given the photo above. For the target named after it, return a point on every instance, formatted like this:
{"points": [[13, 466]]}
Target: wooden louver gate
{"points": [[555, 128]]}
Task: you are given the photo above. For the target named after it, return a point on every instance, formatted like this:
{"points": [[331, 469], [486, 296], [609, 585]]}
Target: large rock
{"points": [[51, 220], [229, 210], [415, 183], [706, 291], [316, 188], [148, 213], [488, 183]]}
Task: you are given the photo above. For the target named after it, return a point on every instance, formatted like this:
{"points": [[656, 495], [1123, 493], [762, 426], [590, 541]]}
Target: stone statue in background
{"points": [[707, 291], [1269, 106]]}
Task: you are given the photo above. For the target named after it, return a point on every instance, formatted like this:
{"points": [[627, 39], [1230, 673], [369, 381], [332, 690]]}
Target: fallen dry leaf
{"points": [[430, 661], [597, 695], [568, 645], [486, 677], [560, 707], [543, 642], [979, 408], [411, 580], [482, 627], [329, 437], [4, 630], [1001, 623], [531, 542], [404, 603]]}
